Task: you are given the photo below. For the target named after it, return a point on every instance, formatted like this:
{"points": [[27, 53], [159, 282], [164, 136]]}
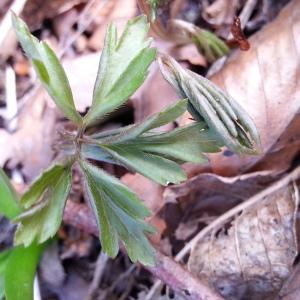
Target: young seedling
{"points": [[141, 148]]}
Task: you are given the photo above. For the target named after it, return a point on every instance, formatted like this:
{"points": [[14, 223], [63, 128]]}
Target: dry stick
{"points": [[86, 17], [247, 12], [166, 269], [99, 271], [121, 277]]}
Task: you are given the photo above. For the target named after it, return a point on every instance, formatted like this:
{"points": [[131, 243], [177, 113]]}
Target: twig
{"points": [[155, 287], [293, 176], [36, 289], [166, 269], [99, 270], [86, 17], [247, 12]]}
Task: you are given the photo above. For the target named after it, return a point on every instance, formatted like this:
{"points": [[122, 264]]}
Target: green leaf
{"points": [[155, 167], [209, 44], [123, 67], [49, 70], [187, 144], [4, 257], [119, 214], [42, 220], [154, 155], [166, 116], [17, 265], [19, 272], [48, 177], [170, 114], [9, 206]]}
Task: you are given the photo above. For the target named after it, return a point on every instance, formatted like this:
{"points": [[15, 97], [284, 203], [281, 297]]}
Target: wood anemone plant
{"points": [[140, 147]]}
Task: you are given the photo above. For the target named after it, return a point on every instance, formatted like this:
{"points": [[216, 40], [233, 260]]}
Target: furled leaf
{"points": [[42, 220], [48, 68], [20, 271], [209, 103], [123, 67], [255, 255], [9, 206], [119, 214]]}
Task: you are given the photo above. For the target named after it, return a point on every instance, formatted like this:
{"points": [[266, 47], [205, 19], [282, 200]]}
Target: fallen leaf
{"points": [[221, 192], [291, 288], [253, 258], [154, 95], [118, 12], [149, 191], [82, 81], [31, 144], [41, 9], [191, 54]]}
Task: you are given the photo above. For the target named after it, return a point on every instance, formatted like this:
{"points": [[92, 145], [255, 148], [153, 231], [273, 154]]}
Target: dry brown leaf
{"points": [[291, 288], [151, 193], [254, 257], [146, 189], [221, 12], [42, 9], [118, 12], [82, 72], [265, 81], [154, 95], [204, 197], [189, 53], [31, 144], [209, 192]]}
